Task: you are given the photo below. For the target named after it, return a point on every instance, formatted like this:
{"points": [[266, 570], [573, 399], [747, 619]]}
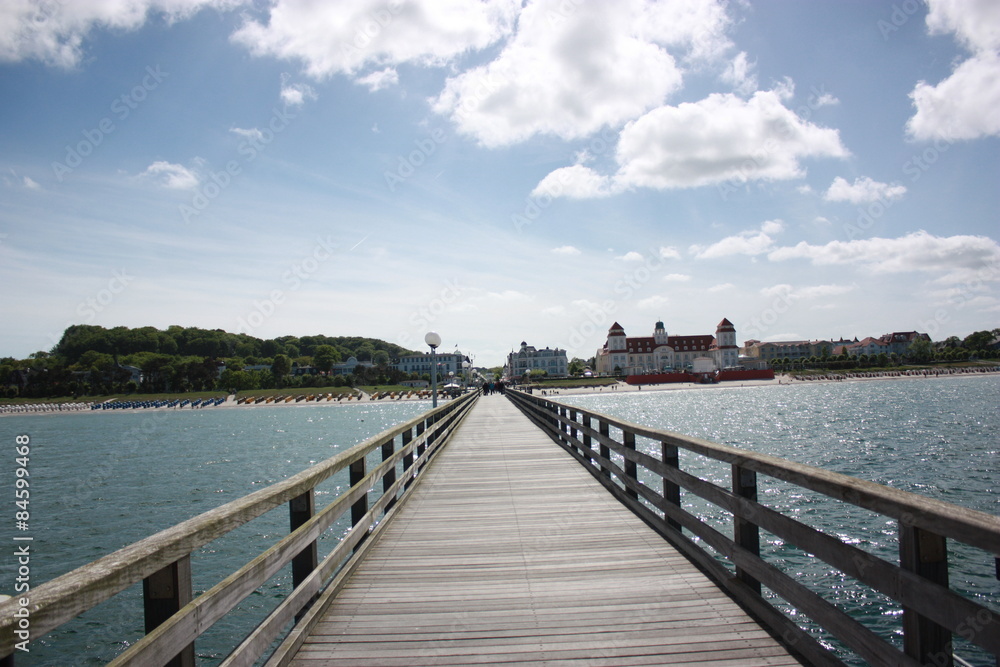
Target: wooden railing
{"points": [[932, 612], [174, 618]]}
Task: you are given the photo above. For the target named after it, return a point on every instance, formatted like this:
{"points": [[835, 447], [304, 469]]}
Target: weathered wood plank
{"points": [[510, 551]]}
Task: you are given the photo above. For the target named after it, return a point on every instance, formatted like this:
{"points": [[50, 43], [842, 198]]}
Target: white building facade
{"points": [[664, 353], [529, 358], [447, 362]]}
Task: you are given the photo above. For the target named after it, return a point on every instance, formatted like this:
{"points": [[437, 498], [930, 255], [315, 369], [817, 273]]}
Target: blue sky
{"points": [[499, 171]]}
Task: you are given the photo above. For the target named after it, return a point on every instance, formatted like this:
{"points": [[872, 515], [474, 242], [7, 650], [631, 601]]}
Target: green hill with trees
{"points": [[93, 360]]}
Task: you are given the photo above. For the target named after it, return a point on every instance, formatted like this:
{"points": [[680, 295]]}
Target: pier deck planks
{"points": [[510, 552]]}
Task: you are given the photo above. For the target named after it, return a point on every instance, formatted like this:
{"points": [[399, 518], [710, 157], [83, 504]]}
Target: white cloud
{"points": [[718, 139], [963, 106], [959, 258], [253, 134], [976, 23], [53, 32], [739, 73], [811, 292], [772, 226], [721, 138], [509, 295], [751, 242], [296, 94], [347, 37], [653, 302], [173, 176], [721, 287], [863, 190], [822, 291], [669, 252], [573, 68], [631, 256], [566, 250], [30, 183], [384, 78], [554, 311], [576, 182], [677, 278]]}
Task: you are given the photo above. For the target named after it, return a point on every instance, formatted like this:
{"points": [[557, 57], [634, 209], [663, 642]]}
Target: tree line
{"points": [[93, 360]]}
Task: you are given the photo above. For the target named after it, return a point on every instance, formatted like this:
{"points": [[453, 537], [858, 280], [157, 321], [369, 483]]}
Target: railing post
{"points": [[357, 472], [566, 428], [746, 533], [163, 593], [421, 428], [631, 468], [586, 437], [604, 450], [300, 509], [407, 459], [388, 449], [925, 554], [671, 490], [574, 433]]}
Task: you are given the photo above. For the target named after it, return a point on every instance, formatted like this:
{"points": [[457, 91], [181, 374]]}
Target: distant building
{"points": [[786, 349], [349, 367], [529, 358], [899, 342], [893, 343], [447, 362], [662, 352]]}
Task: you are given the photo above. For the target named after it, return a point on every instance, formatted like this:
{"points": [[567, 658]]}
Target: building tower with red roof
{"points": [[725, 341]]}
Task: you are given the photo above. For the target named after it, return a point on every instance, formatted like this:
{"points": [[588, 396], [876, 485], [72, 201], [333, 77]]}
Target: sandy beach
{"points": [[231, 402]]}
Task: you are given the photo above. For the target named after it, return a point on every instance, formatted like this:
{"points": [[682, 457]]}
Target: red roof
{"points": [[643, 344], [697, 343], [615, 328], [725, 325]]}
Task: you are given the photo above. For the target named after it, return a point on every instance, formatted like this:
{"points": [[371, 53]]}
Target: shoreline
{"points": [[783, 380]]}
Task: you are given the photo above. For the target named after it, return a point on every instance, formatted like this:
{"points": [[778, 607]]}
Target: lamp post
{"points": [[433, 340]]}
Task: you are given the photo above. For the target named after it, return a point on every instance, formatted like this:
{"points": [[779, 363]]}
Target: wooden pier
{"points": [[510, 552], [516, 529]]}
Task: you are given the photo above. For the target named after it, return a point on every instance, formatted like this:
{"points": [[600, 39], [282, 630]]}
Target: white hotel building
{"points": [[663, 353], [528, 358]]}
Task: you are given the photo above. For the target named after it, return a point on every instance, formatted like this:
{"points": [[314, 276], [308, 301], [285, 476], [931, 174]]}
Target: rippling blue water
{"points": [[932, 436], [100, 481]]}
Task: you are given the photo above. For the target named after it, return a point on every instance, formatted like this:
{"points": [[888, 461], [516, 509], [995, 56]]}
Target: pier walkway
{"points": [[509, 551]]}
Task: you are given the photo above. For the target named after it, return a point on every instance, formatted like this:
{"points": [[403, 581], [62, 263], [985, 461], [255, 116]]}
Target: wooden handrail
{"points": [[932, 612], [67, 596]]}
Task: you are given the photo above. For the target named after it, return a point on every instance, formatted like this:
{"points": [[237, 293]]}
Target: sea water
{"points": [[100, 481], [103, 480], [932, 436]]}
